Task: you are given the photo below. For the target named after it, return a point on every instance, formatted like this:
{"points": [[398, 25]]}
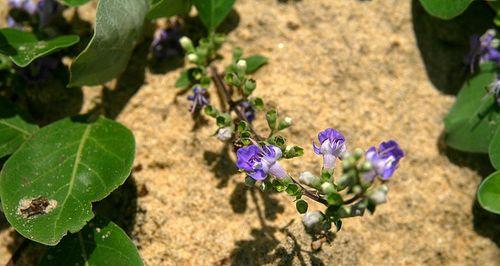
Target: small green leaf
{"points": [[271, 117], [65, 167], [183, 81], [445, 9], [255, 62], [474, 118], [293, 190], [488, 193], [210, 110], [118, 28], [494, 150], [257, 103], [23, 47], [213, 12], [101, 242], [334, 199], [278, 185], [169, 8], [14, 128], [293, 151], [301, 206], [74, 3]]}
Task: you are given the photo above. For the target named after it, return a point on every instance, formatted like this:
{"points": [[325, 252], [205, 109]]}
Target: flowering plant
{"points": [[361, 186]]}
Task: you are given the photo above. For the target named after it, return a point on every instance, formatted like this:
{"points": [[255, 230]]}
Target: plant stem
{"points": [[309, 194], [224, 90]]}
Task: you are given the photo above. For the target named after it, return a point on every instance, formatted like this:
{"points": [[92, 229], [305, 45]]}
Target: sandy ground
{"points": [[351, 65]]}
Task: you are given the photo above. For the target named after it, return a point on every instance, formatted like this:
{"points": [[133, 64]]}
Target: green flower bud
{"points": [[193, 58], [249, 86], [358, 153], [366, 167], [285, 123]]}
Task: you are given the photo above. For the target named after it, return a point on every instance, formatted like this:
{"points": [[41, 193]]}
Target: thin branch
{"points": [[224, 90]]}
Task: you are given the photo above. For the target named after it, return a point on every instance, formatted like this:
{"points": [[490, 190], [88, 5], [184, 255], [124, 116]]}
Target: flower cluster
{"points": [[482, 49], [360, 187], [27, 10], [166, 43], [260, 163]]}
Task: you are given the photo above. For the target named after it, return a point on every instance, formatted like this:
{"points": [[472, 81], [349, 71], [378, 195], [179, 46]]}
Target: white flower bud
{"points": [[241, 65], [186, 43], [192, 58], [225, 133], [308, 178], [312, 219], [288, 120], [327, 188]]}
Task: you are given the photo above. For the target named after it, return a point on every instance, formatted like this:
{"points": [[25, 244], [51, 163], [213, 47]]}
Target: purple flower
{"points": [[248, 111], [259, 162], [27, 5], [199, 99], [384, 161], [482, 50], [166, 43], [332, 145]]}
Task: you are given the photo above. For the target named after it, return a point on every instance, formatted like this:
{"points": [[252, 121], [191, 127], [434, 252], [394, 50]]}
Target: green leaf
{"points": [[14, 128], [293, 190], [75, 3], [64, 167], [488, 193], [301, 206], [473, 119], [101, 242], [445, 9], [255, 62], [494, 150], [183, 81], [213, 12], [278, 185], [169, 8], [23, 47], [118, 28]]}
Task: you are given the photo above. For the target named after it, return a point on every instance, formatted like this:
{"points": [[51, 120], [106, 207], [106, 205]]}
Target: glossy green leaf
{"points": [[255, 62], [64, 167], [301, 206], [23, 47], [14, 128], [168, 8], [119, 26], [74, 3], [488, 193], [494, 150], [101, 242], [445, 9], [473, 119], [213, 12], [183, 81]]}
